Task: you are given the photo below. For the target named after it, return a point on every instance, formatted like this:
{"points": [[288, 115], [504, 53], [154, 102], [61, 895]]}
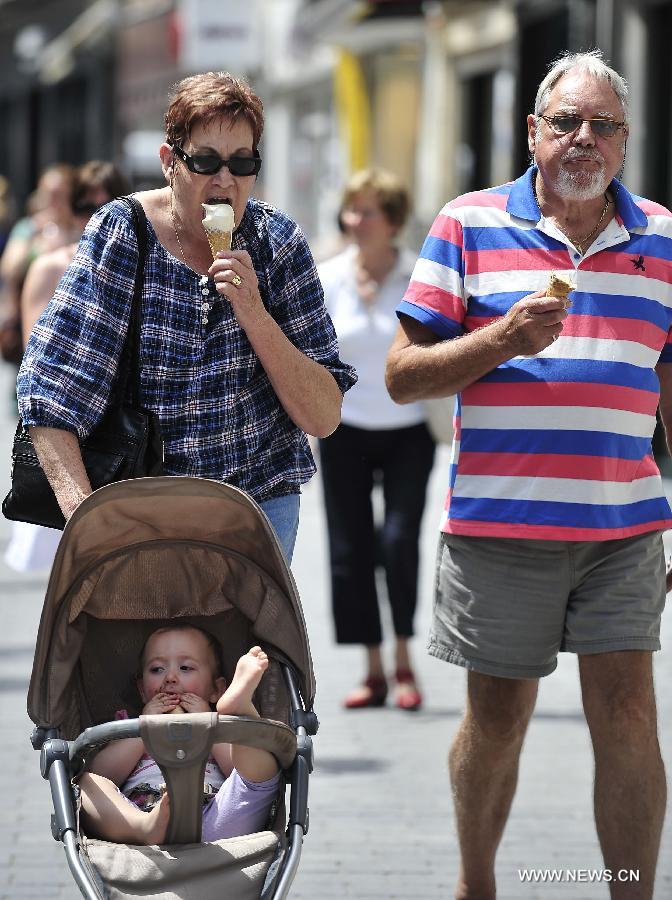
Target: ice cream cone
{"points": [[219, 224], [559, 287], [218, 240]]}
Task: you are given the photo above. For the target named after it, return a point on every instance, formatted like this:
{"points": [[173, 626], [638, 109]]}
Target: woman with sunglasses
{"points": [[239, 357]]}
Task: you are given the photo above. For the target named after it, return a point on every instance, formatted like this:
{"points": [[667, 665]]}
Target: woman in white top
{"points": [[378, 441]]}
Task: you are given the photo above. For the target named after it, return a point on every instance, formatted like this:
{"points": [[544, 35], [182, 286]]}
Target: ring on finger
{"points": [[237, 280]]}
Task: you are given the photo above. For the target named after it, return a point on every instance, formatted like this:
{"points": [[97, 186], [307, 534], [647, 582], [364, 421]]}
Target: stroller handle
{"points": [[265, 734], [180, 745]]}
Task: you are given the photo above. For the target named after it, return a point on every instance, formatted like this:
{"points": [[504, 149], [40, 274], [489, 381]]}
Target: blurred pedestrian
{"points": [[31, 548], [94, 184], [239, 356], [377, 443], [552, 534], [49, 224]]}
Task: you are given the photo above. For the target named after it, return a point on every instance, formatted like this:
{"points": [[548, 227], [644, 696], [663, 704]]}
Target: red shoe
{"points": [[407, 695], [372, 693]]}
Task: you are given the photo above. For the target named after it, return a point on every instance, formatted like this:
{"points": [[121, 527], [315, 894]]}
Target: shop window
{"points": [[474, 153], [658, 113], [542, 38]]}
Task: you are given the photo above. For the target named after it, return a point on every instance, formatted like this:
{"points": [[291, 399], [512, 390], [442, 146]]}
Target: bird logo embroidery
{"points": [[639, 263]]}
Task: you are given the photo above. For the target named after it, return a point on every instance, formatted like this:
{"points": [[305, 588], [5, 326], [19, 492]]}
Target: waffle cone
{"points": [[558, 287], [218, 240]]}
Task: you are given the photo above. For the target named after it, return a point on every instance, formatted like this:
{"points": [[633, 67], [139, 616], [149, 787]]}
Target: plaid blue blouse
{"points": [[219, 415]]}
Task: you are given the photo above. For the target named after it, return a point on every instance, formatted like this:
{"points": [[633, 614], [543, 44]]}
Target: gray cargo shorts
{"points": [[505, 606]]}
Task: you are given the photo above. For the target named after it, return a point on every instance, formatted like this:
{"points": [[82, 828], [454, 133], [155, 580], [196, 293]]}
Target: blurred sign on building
{"points": [[219, 34]]}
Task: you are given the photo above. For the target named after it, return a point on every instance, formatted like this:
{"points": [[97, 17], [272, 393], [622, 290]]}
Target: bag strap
{"points": [[129, 360]]}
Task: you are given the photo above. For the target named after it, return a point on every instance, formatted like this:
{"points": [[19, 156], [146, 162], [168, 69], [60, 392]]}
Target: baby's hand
{"points": [[160, 703], [192, 703]]}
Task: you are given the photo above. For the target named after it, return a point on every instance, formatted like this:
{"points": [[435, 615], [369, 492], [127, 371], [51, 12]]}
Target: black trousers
{"points": [[352, 460]]}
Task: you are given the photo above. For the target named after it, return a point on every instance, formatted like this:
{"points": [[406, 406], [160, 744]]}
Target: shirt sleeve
{"points": [[435, 296], [297, 305], [71, 359]]}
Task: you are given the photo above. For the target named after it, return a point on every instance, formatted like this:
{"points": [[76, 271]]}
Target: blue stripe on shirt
{"points": [[592, 371], [443, 252], [568, 515], [571, 442]]}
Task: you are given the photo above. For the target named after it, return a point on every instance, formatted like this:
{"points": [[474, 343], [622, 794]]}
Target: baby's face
{"points": [[178, 662]]}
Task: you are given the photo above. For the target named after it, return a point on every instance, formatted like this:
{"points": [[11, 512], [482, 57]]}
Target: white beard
{"points": [[576, 185], [581, 185]]}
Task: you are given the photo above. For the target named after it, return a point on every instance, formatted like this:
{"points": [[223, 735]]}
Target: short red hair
{"points": [[201, 99]]}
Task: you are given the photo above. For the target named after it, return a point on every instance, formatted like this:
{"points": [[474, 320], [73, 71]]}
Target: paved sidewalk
{"points": [[381, 820], [380, 798]]}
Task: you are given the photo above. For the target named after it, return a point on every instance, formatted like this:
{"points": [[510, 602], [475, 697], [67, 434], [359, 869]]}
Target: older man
{"points": [[552, 531]]}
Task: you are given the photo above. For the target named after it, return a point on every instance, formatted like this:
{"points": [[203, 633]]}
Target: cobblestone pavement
{"points": [[381, 818]]}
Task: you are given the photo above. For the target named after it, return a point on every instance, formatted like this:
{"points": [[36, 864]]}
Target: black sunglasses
{"points": [[568, 124], [210, 163]]}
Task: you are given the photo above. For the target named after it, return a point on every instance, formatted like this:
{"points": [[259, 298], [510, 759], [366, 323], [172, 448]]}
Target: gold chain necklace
{"points": [[581, 244], [179, 242], [205, 302]]}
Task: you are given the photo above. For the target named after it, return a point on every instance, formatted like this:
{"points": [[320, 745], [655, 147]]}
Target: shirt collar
{"points": [[523, 204]]}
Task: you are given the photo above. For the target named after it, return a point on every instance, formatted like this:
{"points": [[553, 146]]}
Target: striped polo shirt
{"points": [[555, 446]]}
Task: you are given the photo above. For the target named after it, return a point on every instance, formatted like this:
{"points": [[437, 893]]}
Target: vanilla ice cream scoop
{"points": [[219, 223]]}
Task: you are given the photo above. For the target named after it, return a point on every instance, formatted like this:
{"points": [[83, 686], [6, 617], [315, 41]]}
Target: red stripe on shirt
{"points": [[612, 328], [557, 465], [435, 298], [603, 328], [470, 528], [623, 263], [492, 199], [560, 393], [515, 259], [447, 228]]}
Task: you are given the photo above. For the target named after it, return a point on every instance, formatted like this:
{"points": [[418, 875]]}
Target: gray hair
{"points": [[590, 61]]}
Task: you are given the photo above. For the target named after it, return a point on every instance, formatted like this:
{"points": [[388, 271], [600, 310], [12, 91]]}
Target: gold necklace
{"points": [[206, 305], [581, 244], [179, 242]]}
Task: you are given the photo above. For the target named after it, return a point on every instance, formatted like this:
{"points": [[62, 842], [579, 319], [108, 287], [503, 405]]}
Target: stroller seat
{"points": [[228, 868]]}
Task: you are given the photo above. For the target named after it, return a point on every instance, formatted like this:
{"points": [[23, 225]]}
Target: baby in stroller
{"points": [[180, 671]]}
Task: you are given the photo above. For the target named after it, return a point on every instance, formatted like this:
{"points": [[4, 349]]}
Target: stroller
{"points": [[135, 556]]}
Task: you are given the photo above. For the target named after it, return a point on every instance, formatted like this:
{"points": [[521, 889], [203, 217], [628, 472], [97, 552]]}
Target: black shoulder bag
{"points": [[125, 444]]}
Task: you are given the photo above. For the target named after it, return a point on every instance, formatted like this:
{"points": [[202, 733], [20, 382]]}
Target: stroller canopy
{"points": [[153, 549]]}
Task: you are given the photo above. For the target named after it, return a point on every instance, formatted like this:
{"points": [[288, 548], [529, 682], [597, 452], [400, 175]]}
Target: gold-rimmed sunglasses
{"points": [[567, 124]]}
